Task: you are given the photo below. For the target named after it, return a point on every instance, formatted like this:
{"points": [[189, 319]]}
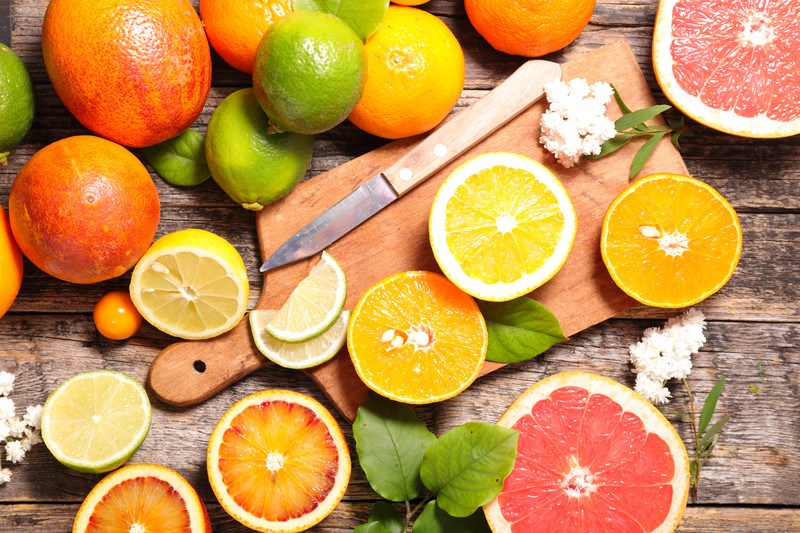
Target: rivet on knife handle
{"points": [[465, 129]]}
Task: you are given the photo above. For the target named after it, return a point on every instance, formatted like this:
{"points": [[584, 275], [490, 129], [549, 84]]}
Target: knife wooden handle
{"points": [[463, 131]]}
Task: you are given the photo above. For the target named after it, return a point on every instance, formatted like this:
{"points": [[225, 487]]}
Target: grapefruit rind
{"points": [[198, 516], [291, 525], [726, 121], [446, 258], [653, 420]]}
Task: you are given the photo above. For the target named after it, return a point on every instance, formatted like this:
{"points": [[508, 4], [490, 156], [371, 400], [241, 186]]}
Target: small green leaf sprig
{"points": [[705, 436], [449, 478], [632, 125], [519, 329]]}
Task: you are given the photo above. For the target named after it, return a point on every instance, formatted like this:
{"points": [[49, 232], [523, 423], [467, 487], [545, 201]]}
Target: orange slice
{"points": [[277, 461], [414, 337], [592, 456], [670, 240], [142, 497]]}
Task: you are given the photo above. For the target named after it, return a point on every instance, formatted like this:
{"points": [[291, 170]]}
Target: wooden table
{"points": [[751, 484]]}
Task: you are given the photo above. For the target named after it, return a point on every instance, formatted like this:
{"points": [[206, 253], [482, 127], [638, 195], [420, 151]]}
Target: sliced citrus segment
{"points": [[592, 456], [142, 498], [191, 284], [670, 240], [306, 354], [414, 337], [95, 421], [314, 305], [501, 225], [730, 66], [277, 461]]}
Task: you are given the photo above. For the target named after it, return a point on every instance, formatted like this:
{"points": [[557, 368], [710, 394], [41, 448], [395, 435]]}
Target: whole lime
{"points": [[16, 101], [309, 72], [252, 166]]}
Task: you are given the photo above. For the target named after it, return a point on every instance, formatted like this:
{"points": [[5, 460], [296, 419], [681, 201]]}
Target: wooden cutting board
{"points": [[581, 295]]}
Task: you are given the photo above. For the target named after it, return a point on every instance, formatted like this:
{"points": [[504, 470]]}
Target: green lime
{"points": [[309, 72], [95, 421], [252, 166], [16, 101]]}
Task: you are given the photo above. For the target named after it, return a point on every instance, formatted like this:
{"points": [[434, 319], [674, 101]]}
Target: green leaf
{"points": [[386, 514], [709, 438], [373, 527], [613, 144], [644, 152], [710, 405], [519, 329], [180, 160], [636, 118], [390, 443], [364, 16], [467, 465], [434, 520], [618, 97]]}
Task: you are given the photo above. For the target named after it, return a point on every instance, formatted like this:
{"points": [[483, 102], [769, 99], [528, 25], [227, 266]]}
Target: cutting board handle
{"points": [[467, 128], [186, 373]]}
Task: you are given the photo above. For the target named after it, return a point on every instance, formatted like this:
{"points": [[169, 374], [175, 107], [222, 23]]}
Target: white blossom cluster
{"points": [[19, 434], [666, 353], [575, 124]]}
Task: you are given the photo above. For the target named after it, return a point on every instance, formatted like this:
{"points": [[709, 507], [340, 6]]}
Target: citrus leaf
{"points": [[434, 520], [612, 145], [635, 118], [372, 527], [180, 160], [382, 519], [467, 465], [644, 152], [709, 438], [390, 443], [363, 16], [519, 329], [710, 405]]}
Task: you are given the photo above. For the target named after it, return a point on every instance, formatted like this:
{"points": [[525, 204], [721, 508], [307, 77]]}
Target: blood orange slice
{"points": [[733, 66], [593, 456], [277, 461], [142, 497]]}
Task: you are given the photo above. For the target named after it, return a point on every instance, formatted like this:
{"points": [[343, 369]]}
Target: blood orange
{"points": [[731, 65], [592, 456], [142, 497], [277, 461]]}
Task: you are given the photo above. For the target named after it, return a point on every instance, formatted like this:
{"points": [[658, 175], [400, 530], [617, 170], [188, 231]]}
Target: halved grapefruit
{"points": [[733, 66], [278, 462], [593, 456], [144, 498]]}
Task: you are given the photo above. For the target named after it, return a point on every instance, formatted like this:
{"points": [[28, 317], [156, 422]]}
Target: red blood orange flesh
{"points": [[731, 65], [142, 497], [593, 456]]}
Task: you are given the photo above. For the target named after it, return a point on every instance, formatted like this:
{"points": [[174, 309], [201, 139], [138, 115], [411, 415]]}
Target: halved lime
{"points": [[306, 354], [95, 421], [313, 306]]}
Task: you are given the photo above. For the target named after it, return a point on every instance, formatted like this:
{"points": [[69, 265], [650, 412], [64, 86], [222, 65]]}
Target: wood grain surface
{"points": [[749, 485]]}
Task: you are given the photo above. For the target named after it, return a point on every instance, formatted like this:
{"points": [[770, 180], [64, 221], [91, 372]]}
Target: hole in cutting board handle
{"points": [[199, 366]]}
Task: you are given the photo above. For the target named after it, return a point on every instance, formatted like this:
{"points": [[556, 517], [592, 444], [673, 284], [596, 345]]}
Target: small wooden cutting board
{"points": [[581, 295]]}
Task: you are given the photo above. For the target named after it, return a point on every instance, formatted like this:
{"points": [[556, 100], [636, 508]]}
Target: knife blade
{"points": [[451, 139]]}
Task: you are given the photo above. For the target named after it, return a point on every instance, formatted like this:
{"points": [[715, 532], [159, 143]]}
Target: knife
{"points": [[518, 92]]}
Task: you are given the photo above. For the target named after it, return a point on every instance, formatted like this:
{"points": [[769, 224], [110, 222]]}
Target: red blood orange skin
{"points": [[733, 66], [135, 72], [83, 209]]}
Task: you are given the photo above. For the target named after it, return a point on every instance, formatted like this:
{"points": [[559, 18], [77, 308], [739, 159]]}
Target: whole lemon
{"points": [[16, 101], [309, 72], [252, 166]]}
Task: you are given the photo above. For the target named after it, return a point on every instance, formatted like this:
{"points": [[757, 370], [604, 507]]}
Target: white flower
{"points": [[575, 123], [655, 391], [14, 451], [7, 409], [6, 383], [5, 476], [33, 416], [17, 427]]}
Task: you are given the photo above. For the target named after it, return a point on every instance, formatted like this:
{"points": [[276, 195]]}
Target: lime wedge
{"points": [[95, 421], [313, 306], [312, 352]]}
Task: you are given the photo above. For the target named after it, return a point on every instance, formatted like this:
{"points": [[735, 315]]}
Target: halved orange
{"points": [[670, 240], [142, 497], [415, 337], [278, 461]]}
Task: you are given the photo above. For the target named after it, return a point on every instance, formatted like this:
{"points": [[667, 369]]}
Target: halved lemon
{"points": [[314, 305], [306, 354], [191, 284], [501, 225]]}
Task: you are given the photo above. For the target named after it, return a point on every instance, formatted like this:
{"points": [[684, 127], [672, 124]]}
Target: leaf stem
{"points": [[410, 513], [696, 460]]}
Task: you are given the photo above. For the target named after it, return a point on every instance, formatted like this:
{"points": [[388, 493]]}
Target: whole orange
{"points": [[83, 209], [136, 72], [10, 264], [235, 27], [415, 74], [529, 28]]}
